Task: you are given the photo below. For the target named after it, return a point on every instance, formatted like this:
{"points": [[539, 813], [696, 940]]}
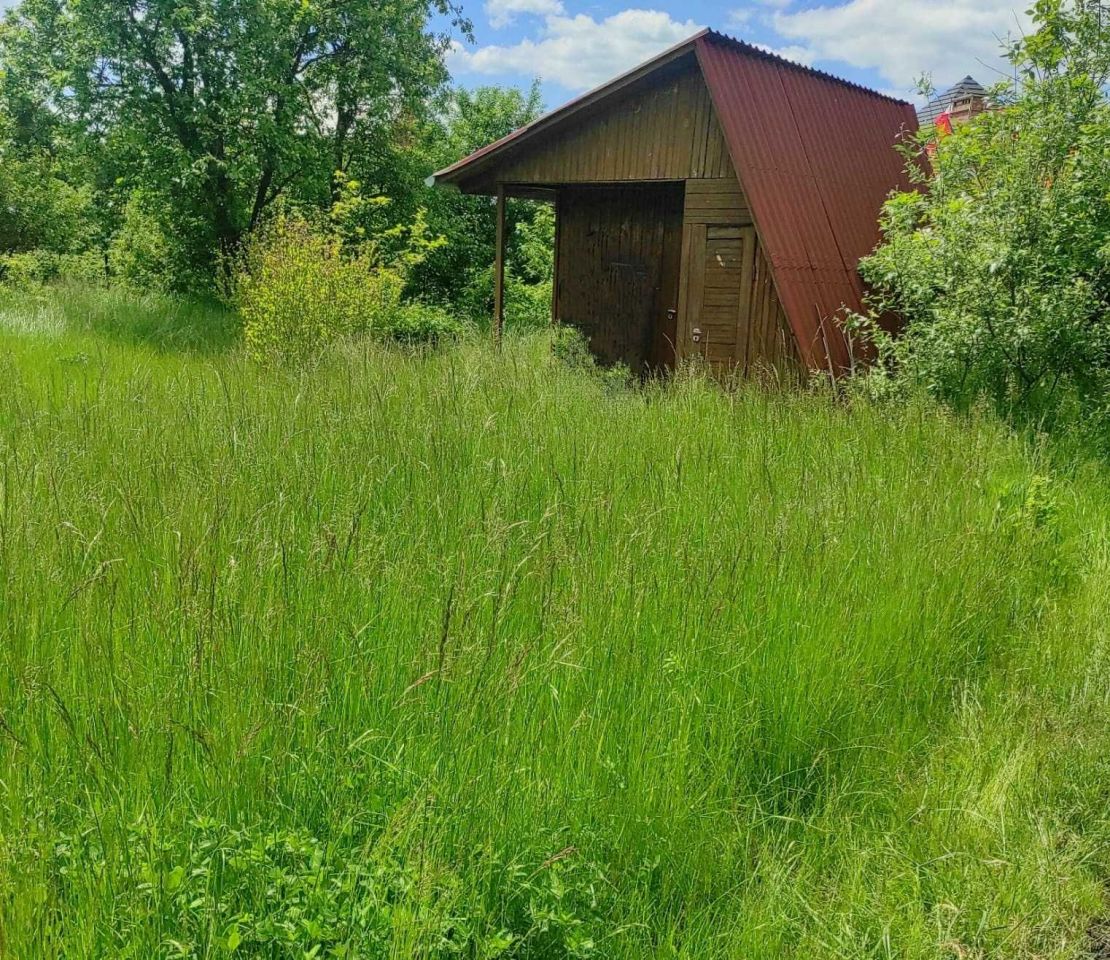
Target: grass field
{"points": [[466, 655]]}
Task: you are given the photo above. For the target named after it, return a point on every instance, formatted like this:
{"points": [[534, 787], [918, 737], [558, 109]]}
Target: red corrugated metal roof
{"points": [[815, 156]]}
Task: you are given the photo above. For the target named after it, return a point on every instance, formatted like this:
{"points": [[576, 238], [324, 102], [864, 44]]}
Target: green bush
{"points": [[41, 210], [527, 304], [421, 323], [529, 275], [570, 347], [1000, 269], [37, 267], [159, 248], [298, 292], [302, 286]]}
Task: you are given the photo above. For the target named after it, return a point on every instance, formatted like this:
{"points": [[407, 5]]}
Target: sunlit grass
{"points": [[470, 655]]}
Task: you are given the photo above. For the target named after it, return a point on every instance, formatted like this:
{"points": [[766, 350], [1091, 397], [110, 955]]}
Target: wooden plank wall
{"points": [[771, 345], [720, 202], [663, 132], [617, 270], [726, 289]]}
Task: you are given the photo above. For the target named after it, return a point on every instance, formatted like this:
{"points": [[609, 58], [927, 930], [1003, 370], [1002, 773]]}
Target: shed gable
{"points": [[662, 129]]}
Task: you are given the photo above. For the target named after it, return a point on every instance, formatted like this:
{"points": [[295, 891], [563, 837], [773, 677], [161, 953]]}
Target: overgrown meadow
{"points": [[447, 653]]}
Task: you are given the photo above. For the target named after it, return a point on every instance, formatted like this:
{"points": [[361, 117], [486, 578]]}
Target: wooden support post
{"points": [[499, 271], [555, 273]]}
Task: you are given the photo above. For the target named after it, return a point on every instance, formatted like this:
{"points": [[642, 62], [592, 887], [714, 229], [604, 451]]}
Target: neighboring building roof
{"points": [[814, 154], [968, 88]]}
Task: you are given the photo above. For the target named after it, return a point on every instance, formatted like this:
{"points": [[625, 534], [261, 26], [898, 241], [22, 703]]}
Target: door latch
{"points": [[695, 334]]}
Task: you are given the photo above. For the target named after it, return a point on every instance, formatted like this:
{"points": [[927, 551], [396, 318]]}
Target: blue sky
{"points": [[573, 45]]}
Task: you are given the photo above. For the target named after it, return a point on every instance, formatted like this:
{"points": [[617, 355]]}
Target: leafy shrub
{"points": [[528, 276], [37, 267], [571, 348], [359, 219], [1000, 270], [301, 286], [528, 289], [527, 305], [421, 323], [150, 252], [140, 252], [40, 209], [298, 291]]}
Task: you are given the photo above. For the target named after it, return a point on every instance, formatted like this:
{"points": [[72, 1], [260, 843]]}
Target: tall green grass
{"points": [[468, 655]]}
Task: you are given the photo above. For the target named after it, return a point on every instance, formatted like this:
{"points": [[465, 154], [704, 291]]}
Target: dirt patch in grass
{"points": [[1098, 936]]}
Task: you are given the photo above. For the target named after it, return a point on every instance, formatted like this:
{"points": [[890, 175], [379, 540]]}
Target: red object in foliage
{"points": [[944, 124]]}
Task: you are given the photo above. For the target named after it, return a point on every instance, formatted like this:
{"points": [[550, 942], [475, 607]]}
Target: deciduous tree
{"points": [[219, 107]]}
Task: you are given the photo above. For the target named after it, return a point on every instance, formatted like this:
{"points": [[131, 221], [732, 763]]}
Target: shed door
{"points": [[617, 269], [717, 306]]}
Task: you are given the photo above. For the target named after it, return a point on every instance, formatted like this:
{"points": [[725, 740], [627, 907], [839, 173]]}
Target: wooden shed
{"points": [[713, 202]]}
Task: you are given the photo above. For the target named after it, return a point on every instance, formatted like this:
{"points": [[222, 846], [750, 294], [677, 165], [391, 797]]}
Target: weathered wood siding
{"points": [[770, 343], [664, 132], [617, 270], [729, 312]]}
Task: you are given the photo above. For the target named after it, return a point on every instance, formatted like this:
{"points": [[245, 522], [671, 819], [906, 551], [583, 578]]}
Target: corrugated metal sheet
{"points": [[816, 158]]}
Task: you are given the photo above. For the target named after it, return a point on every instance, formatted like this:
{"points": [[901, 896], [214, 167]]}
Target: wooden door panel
{"points": [[618, 266], [717, 306]]}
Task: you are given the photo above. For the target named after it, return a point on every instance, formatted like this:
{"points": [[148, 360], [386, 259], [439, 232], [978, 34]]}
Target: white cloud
{"points": [[755, 10], [796, 53], [502, 12], [901, 39], [579, 52]]}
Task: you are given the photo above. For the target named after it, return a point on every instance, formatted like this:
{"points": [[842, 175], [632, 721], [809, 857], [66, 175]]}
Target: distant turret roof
{"points": [[968, 87]]}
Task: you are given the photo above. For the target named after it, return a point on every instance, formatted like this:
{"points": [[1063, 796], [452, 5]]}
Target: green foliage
{"points": [[37, 267], [571, 348], [298, 291], [416, 323], [212, 110], [301, 287], [286, 893], [459, 273], [151, 252], [356, 219], [535, 238], [528, 275], [1000, 268], [527, 304], [41, 211], [218, 111]]}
